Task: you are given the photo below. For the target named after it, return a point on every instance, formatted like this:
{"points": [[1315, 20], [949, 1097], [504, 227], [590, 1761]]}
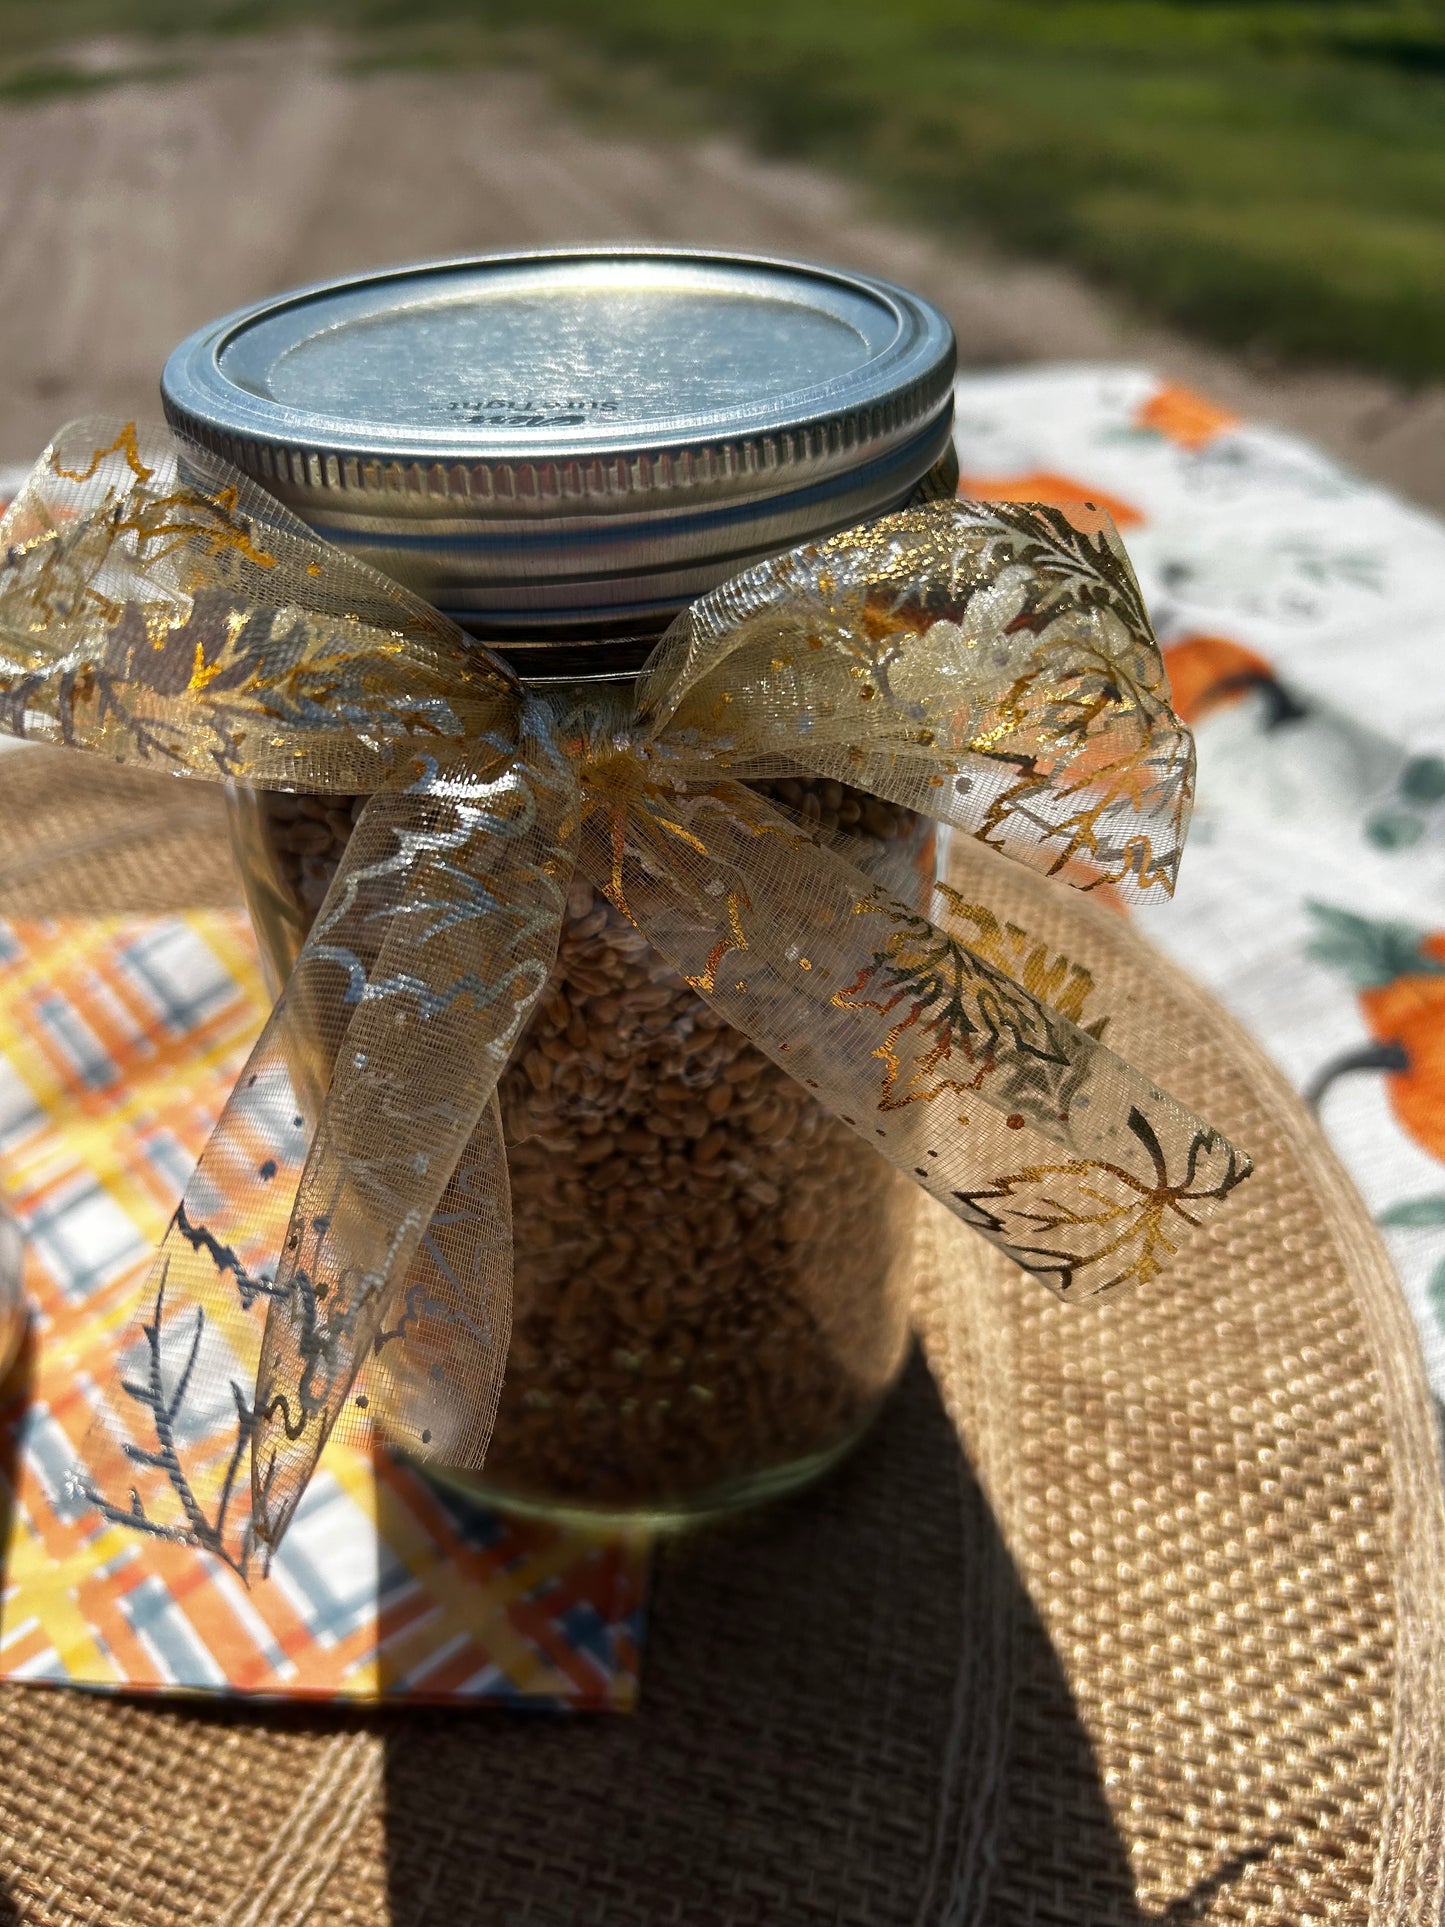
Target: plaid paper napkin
{"points": [[119, 1040]]}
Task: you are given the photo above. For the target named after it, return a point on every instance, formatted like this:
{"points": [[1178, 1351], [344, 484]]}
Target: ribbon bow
{"points": [[989, 666]]}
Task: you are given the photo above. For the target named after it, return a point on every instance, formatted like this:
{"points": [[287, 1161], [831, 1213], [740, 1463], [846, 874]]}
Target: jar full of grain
{"points": [[561, 450]]}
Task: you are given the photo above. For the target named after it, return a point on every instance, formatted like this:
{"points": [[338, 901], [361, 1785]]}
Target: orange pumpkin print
{"points": [[1057, 491], [1209, 672], [1192, 421], [1400, 977]]}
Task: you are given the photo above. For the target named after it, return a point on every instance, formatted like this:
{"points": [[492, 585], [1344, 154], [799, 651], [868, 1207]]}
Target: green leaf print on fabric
{"points": [[1394, 830], [1436, 1291], [1423, 779], [1413, 1214], [1370, 952]]}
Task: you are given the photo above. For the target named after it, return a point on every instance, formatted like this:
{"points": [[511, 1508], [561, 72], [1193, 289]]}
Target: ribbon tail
{"points": [[168, 1452], [466, 875], [994, 1101], [171, 1452], [434, 1373]]}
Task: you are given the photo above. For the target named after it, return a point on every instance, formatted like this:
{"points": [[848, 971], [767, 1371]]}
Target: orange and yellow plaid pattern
{"points": [[119, 1040]]}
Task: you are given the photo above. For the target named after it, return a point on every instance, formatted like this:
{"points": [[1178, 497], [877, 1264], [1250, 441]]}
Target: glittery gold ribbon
{"points": [[990, 666]]}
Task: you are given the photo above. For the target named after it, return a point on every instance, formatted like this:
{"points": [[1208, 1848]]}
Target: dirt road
{"points": [[131, 214]]}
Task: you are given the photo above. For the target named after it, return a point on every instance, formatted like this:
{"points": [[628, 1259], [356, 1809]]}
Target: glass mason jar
{"points": [[711, 1273]]}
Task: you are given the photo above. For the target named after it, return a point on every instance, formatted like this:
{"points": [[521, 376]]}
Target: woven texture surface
{"points": [[131, 845], [1129, 1612]]}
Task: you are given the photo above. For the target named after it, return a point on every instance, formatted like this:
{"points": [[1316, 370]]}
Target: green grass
{"points": [[1266, 173], [45, 79]]}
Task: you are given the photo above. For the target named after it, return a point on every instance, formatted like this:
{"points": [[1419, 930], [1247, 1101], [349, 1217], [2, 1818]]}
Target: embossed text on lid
{"points": [[585, 431]]}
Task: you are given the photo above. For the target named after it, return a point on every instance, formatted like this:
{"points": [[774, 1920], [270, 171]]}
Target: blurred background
{"points": [[1248, 195]]}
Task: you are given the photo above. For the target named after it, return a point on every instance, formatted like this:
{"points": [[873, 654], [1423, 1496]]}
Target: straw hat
{"points": [[1130, 1611]]}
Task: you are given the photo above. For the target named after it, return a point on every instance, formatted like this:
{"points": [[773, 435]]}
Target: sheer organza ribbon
{"points": [[344, 1243]]}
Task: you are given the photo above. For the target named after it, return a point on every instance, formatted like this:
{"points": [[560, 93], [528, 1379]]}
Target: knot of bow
{"points": [[986, 667]]}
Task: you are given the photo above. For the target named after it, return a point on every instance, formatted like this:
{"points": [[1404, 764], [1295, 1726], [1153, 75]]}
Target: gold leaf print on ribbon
{"points": [[988, 665], [1059, 1218], [121, 577], [342, 1253], [948, 1065]]}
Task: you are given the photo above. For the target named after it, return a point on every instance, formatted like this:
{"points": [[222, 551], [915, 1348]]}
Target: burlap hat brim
{"points": [[1129, 1611]]}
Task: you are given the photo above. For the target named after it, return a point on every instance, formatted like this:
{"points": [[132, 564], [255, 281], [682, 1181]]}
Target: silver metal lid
{"points": [[564, 439]]}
